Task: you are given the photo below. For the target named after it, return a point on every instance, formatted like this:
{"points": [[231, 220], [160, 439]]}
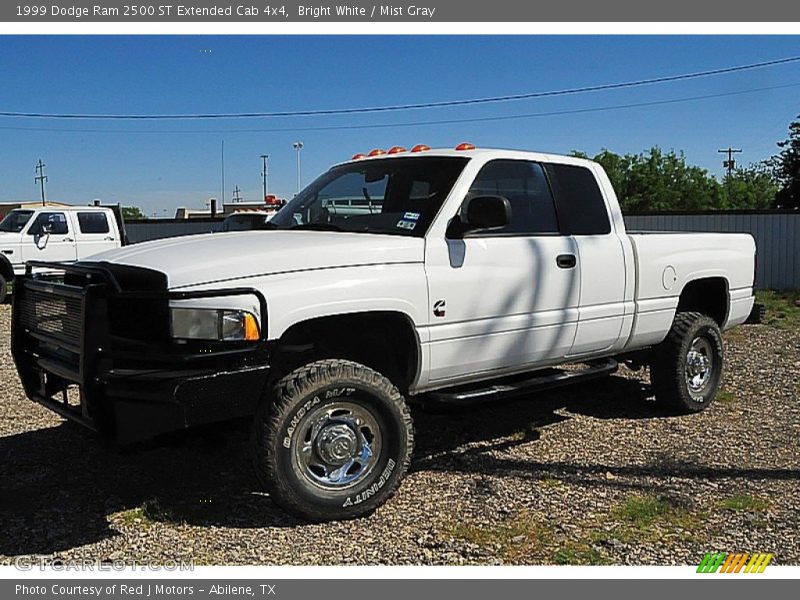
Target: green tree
{"points": [[751, 187], [132, 212], [659, 181], [786, 167]]}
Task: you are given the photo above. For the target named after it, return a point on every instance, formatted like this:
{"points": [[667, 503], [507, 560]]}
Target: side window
{"points": [[93, 222], [525, 185], [579, 199], [52, 222]]}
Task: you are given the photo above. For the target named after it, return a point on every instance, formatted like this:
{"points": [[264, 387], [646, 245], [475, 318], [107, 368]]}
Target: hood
{"points": [[9, 240], [198, 259]]}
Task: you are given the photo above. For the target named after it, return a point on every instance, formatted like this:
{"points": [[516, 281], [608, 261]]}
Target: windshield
{"points": [[399, 196], [15, 221]]}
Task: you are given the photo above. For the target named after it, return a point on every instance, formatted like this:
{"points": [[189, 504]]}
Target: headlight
{"points": [[213, 324]]}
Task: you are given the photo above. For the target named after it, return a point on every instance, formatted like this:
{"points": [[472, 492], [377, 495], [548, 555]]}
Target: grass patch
{"points": [[645, 516], [153, 511], [781, 311], [643, 511], [551, 482], [745, 503], [516, 535], [726, 397], [579, 553], [141, 515]]}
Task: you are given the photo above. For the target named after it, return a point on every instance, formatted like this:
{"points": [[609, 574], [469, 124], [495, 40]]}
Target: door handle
{"points": [[566, 261], [108, 239], [68, 239]]}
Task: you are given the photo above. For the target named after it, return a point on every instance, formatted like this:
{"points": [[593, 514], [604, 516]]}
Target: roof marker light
{"points": [[358, 156], [465, 146], [420, 148], [396, 150], [377, 152]]}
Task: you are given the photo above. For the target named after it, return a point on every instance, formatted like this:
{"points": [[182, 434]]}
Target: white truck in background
{"points": [[449, 275], [57, 234]]}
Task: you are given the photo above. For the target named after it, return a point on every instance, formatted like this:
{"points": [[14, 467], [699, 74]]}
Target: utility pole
{"points": [[298, 146], [236, 196], [264, 174], [222, 168], [729, 164], [41, 178]]}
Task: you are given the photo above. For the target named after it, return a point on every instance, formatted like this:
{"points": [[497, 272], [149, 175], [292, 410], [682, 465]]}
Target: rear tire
{"points": [[3, 290], [686, 370], [335, 441]]}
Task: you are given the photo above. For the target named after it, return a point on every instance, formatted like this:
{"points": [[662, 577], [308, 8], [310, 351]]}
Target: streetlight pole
{"points": [[264, 173], [298, 146]]}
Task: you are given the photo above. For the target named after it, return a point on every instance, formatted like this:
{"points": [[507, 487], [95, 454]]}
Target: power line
{"points": [[553, 113], [415, 106]]}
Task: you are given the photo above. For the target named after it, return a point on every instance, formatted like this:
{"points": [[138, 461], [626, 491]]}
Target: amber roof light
{"points": [[420, 148], [465, 146]]}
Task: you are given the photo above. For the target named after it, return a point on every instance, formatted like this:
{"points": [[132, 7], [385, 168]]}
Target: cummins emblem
{"points": [[438, 308]]}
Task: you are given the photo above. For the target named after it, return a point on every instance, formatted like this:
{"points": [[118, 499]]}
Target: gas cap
{"points": [[669, 278]]}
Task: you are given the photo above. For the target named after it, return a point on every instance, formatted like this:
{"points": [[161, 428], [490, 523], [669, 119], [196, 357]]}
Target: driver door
{"points": [[50, 237], [503, 300]]}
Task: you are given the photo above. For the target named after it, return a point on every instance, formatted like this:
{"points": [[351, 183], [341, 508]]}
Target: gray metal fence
{"points": [[156, 229], [777, 237]]}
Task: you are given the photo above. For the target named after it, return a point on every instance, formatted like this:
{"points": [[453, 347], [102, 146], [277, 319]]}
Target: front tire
{"points": [[686, 370], [3, 289], [334, 443]]}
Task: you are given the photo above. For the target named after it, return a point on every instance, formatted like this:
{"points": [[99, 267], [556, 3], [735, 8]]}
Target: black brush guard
{"points": [[70, 360]]}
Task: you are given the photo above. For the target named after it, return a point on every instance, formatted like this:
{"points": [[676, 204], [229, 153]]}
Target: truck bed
{"points": [[666, 261]]}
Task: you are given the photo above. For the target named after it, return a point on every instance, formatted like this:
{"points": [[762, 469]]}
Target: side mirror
{"points": [[488, 212], [481, 212]]}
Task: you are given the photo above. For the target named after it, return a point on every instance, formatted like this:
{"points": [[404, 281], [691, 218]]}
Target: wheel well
{"points": [[384, 341], [708, 296], [6, 270]]}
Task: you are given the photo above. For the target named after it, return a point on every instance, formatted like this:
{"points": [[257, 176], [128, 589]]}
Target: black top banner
{"points": [[278, 11]]}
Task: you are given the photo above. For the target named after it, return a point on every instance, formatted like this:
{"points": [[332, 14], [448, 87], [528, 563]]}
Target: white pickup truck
{"points": [[54, 233], [424, 275]]}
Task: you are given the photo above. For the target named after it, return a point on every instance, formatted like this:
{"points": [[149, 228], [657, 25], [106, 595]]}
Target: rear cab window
{"points": [[581, 206], [93, 222]]}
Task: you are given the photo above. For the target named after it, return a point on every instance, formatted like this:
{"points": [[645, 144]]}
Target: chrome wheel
{"points": [[338, 445], [699, 366]]}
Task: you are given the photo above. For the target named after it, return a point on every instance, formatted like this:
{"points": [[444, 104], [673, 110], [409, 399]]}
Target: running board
{"points": [[509, 389]]}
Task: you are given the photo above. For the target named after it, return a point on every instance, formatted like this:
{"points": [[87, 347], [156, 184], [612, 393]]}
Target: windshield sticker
{"points": [[403, 224], [411, 216]]}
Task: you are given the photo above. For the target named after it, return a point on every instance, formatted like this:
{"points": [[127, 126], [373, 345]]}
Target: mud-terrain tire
{"points": [[333, 441], [686, 370]]}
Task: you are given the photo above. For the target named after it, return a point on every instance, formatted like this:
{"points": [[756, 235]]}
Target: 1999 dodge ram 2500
{"points": [[440, 275]]}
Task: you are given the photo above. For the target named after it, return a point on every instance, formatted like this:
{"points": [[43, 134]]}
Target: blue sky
{"points": [[159, 165]]}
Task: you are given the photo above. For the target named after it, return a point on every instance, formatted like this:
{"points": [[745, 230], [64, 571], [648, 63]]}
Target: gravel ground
{"points": [[590, 474]]}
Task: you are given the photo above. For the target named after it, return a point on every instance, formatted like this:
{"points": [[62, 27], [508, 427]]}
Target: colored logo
{"points": [[722, 562]]}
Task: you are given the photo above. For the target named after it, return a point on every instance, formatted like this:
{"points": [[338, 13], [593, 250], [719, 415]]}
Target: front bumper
{"points": [[71, 358]]}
